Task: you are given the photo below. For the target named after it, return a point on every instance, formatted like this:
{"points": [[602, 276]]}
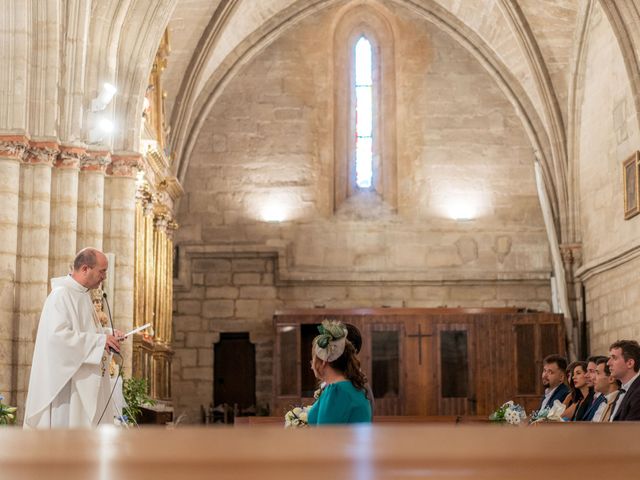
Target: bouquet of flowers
{"points": [[296, 417], [7, 413], [510, 413], [553, 414]]}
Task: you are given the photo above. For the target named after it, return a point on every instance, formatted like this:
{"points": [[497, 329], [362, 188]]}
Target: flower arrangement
{"points": [[552, 414], [135, 395], [510, 413], [7, 413], [296, 417]]}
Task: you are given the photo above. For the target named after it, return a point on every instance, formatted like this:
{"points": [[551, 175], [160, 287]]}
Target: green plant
{"points": [[135, 396], [7, 413]]}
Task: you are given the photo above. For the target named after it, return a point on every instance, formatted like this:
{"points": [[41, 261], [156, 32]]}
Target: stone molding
{"points": [[571, 253], [13, 146], [42, 153], [607, 262], [95, 161], [124, 165]]}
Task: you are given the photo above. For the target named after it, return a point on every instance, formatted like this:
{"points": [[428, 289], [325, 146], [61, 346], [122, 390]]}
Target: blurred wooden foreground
{"points": [[379, 451]]}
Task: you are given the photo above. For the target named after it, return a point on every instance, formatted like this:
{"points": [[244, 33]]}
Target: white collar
{"points": [[627, 385]]}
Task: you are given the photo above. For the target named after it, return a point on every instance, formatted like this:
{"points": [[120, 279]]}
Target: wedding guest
{"points": [[608, 386], [598, 398], [553, 380], [355, 337], [334, 362], [582, 393], [624, 362]]}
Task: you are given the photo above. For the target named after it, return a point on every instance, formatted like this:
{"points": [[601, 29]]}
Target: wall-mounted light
{"points": [[462, 211], [104, 97], [273, 212], [102, 129]]}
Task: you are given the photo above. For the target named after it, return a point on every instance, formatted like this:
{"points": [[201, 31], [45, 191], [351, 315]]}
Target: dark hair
{"points": [[607, 371], [349, 365], [596, 358], [576, 394], [559, 360], [86, 256], [354, 336], [630, 351]]}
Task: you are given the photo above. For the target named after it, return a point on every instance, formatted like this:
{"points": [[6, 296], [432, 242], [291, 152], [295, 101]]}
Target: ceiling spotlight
{"points": [[104, 98]]}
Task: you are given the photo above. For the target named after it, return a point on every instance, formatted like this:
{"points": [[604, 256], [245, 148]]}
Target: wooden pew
{"points": [[386, 419], [376, 452]]}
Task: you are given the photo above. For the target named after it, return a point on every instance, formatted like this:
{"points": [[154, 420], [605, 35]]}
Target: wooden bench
{"points": [[386, 419]]}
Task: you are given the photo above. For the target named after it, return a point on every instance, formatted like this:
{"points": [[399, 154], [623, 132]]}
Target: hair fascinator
{"points": [[329, 345]]}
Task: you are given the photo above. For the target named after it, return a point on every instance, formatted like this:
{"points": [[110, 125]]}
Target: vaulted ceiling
{"points": [[532, 48]]}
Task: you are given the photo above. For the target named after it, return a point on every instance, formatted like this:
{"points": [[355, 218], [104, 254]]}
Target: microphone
{"points": [[113, 330]]}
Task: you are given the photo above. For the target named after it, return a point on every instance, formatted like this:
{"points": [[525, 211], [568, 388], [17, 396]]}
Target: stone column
{"points": [[33, 257], [64, 211], [12, 149], [119, 237], [91, 199]]}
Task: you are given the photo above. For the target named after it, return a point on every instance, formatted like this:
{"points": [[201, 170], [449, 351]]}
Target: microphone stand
{"points": [[115, 384]]}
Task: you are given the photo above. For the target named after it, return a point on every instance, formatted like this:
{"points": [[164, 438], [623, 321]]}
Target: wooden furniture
{"points": [[385, 419], [426, 362], [378, 452]]}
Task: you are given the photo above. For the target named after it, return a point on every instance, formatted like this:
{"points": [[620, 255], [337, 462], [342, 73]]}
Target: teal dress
{"points": [[340, 402]]}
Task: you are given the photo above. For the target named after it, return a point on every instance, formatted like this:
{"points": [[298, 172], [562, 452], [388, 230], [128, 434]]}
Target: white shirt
{"points": [[625, 387], [547, 395], [603, 406]]}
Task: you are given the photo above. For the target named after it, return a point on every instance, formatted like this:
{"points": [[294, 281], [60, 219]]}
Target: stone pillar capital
{"points": [[70, 157], [13, 146], [42, 153], [124, 165], [95, 161], [571, 253]]}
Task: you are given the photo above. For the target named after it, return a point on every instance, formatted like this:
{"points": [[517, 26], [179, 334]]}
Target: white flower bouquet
{"points": [[7, 413], [549, 414], [296, 417], [510, 413]]}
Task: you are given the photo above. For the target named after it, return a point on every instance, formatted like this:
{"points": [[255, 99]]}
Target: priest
{"points": [[70, 384]]}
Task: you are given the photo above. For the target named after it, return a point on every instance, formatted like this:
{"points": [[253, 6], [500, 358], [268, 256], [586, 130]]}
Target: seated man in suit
{"points": [[624, 362], [598, 397], [553, 380], [607, 385]]}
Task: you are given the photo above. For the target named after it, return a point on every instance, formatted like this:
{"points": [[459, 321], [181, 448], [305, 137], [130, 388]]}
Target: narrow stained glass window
{"points": [[364, 114]]}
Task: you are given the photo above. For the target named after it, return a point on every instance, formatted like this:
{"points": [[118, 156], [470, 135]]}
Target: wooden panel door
{"points": [[455, 384], [384, 357], [419, 374]]}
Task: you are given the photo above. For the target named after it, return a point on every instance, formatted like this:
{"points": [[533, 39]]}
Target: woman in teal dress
{"points": [[334, 362]]}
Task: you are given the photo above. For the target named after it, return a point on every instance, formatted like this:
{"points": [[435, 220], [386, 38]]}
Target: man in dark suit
{"points": [[553, 377], [598, 398], [624, 363]]}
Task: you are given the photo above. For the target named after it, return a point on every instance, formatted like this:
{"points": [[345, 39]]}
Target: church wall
{"points": [[269, 143], [608, 135]]}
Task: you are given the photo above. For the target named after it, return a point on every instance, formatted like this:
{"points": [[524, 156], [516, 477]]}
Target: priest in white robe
{"points": [[70, 384]]}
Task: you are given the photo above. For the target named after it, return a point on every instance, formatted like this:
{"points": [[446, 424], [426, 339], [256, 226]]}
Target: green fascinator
{"points": [[329, 345]]}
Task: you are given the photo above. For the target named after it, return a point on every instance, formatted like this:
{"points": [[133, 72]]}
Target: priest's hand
{"points": [[112, 343], [119, 335]]}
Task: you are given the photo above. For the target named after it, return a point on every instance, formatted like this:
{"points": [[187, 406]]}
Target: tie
{"points": [[613, 405]]}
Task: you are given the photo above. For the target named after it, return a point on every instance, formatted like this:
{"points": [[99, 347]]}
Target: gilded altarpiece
{"points": [[153, 284]]}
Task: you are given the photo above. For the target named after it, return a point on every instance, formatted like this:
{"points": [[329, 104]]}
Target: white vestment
{"points": [[69, 385]]}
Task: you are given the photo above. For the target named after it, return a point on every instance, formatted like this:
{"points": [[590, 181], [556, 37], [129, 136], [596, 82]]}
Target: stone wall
{"points": [[268, 143], [608, 134]]}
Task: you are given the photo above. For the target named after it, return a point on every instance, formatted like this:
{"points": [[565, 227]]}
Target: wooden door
{"points": [[382, 357], [455, 384], [234, 377], [419, 374]]}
